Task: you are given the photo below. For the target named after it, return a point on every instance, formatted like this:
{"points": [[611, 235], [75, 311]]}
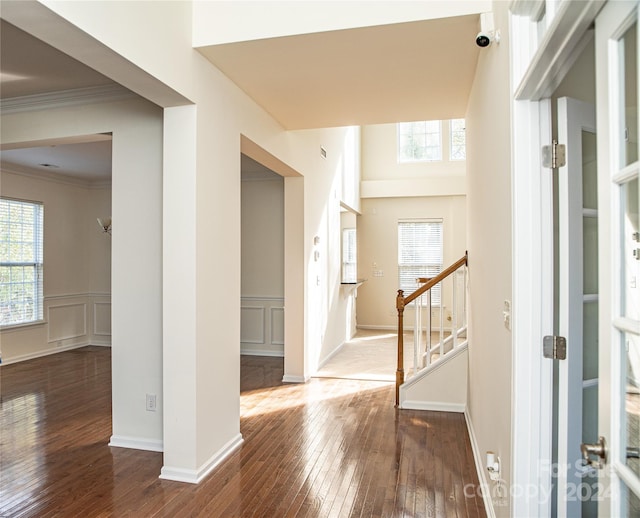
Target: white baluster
{"points": [[454, 316], [428, 328]]}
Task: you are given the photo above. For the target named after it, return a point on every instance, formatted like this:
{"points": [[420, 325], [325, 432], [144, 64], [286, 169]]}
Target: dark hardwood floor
{"points": [[327, 448]]}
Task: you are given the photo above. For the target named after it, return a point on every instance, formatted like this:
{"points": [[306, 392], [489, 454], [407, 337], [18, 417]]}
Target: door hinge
{"points": [[554, 347], [554, 156]]}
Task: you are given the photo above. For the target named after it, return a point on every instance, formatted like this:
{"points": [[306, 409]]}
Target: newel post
{"points": [[400, 369]]}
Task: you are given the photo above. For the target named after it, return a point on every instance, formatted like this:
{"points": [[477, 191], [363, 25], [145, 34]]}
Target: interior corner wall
{"points": [[490, 257], [136, 281], [378, 251], [262, 285], [384, 176], [158, 58], [77, 267]]}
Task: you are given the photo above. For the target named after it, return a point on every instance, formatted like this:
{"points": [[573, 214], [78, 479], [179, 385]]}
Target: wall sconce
{"points": [[105, 225], [493, 466]]}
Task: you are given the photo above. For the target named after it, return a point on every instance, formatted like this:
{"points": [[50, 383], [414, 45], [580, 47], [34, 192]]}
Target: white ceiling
{"points": [[28, 66], [390, 73], [87, 161]]}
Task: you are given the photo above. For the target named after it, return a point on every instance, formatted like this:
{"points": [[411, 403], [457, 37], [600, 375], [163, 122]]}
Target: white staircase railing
{"points": [[448, 338], [449, 332]]}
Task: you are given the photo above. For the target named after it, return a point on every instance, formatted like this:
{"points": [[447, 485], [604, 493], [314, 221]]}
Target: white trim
{"points": [[95, 317], [434, 406], [329, 356], [18, 327], [83, 305], [272, 311], [65, 98], [258, 297], [626, 174], [561, 45], [377, 328], [627, 325], [479, 461], [193, 476], [76, 295], [406, 328], [288, 378], [261, 352], [58, 178], [136, 443], [44, 352], [99, 343], [532, 282]]}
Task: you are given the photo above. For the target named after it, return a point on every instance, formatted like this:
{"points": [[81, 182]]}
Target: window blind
{"points": [[349, 255], [419, 254]]}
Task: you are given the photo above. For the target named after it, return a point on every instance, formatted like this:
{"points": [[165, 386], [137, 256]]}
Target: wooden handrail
{"points": [[402, 301], [438, 278]]}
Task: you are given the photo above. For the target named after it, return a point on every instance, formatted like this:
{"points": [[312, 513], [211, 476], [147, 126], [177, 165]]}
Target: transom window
{"points": [[419, 254], [419, 141], [21, 261]]}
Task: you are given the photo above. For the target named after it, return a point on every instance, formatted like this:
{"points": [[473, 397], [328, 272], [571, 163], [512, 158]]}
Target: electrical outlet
{"points": [[151, 402]]}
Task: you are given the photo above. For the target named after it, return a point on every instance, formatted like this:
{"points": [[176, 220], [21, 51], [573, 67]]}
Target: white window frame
{"points": [[10, 231], [421, 269], [451, 140], [403, 128]]}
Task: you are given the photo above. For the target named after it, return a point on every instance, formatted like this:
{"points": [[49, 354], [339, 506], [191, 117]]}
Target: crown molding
{"points": [[54, 177], [64, 98]]}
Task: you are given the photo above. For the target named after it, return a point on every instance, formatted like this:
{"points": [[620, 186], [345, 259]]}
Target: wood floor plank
{"points": [[327, 448]]}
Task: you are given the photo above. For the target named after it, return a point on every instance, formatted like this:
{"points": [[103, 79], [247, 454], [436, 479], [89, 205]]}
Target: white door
{"points": [[619, 254], [578, 307]]}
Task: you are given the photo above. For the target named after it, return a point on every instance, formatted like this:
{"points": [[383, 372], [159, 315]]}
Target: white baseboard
{"points": [[433, 405], [41, 353], [261, 352], [100, 343], [194, 476], [287, 378], [330, 355], [479, 459], [136, 443], [378, 328], [406, 328]]}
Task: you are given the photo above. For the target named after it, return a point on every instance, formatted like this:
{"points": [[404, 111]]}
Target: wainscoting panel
{"points": [[260, 336], [102, 318], [70, 321], [252, 325], [277, 325], [66, 321]]}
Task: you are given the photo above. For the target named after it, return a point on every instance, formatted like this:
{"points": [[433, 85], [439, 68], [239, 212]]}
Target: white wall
{"points": [[77, 267], [146, 46], [224, 22], [262, 291], [378, 250], [383, 176], [136, 210], [489, 241]]}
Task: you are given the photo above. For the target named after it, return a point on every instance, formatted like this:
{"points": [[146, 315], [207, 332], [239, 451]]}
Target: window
{"points": [[457, 149], [419, 254], [20, 262], [419, 141], [349, 256]]}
